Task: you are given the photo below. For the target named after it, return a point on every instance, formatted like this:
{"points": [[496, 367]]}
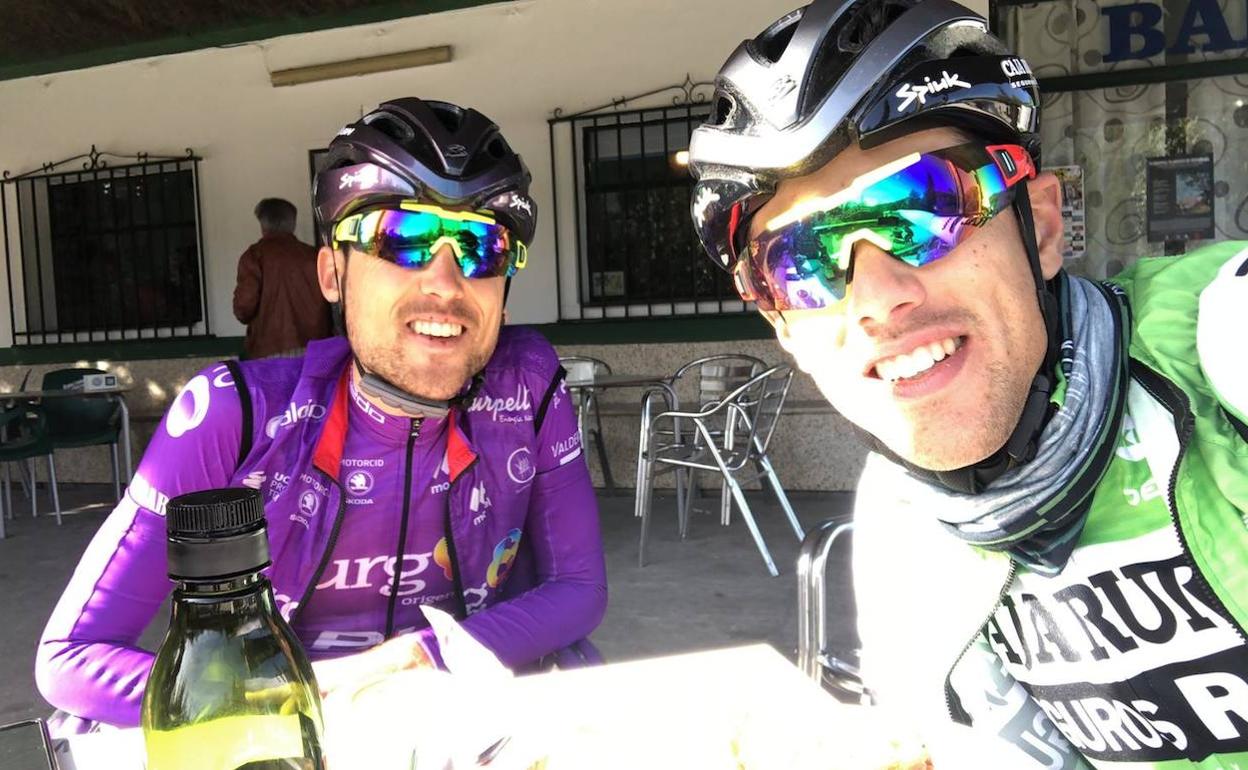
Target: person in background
{"points": [[277, 294]]}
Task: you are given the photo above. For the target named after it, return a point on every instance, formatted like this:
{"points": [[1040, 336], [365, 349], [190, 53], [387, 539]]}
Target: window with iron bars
{"points": [[104, 253], [636, 251]]}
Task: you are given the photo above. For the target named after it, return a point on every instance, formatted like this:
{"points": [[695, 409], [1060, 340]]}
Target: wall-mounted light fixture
{"points": [[366, 66]]}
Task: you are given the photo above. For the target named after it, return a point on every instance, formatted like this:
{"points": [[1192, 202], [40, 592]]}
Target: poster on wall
{"points": [[1074, 223], [1180, 198]]}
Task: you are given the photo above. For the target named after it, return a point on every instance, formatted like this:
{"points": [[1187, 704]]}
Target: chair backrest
{"points": [[70, 416], [23, 432], [827, 636], [770, 398], [719, 375]]}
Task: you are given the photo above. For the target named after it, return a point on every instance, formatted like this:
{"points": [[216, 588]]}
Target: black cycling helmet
{"points": [[427, 150], [843, 71], [838, 72]]}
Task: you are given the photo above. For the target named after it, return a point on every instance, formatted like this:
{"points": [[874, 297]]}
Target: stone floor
{"points": [[711, 590]]}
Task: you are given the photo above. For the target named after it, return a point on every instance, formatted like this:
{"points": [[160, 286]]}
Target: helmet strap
{"points": [[377, 387]]}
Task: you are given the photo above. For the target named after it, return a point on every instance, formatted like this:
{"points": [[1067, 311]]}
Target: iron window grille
{"points": [[104, 252], [632, 247]]}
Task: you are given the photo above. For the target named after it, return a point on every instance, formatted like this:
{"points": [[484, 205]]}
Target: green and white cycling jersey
{"points": [[1125, 652], [1135, 655]]}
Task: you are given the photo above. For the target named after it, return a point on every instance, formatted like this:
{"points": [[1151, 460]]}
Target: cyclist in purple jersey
{"points": [[430, 457]]}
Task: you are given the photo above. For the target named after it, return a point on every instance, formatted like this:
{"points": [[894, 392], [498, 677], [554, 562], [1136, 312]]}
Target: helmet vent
{"points": [[497, 149], [867, 20], [396, 129], [723, 110], [774, 40], [863, 23], [450, 119]]}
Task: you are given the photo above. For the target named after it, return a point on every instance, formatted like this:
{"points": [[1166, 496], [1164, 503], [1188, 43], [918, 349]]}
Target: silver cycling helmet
{"points": [[842, 71]]}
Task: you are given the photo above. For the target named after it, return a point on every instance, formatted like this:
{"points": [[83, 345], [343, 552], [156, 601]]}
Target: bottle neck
{"points": [[220, 587], [223, 601]]}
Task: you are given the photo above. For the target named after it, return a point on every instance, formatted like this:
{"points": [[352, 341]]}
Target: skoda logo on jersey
{"points": [[309, 503], [520, 466], [910, 93], [293, 414], [359, 482]]}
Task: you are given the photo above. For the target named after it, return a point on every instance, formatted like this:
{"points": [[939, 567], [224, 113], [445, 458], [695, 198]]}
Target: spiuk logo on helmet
{"points": [[522, 204], [365, 178], [909, 93]]}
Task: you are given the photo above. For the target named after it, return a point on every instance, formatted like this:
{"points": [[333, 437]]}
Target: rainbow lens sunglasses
{"points": [[411, 234], [917, 208]]}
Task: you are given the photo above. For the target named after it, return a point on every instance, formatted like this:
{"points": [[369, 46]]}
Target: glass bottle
{"points": [[231, 687]]}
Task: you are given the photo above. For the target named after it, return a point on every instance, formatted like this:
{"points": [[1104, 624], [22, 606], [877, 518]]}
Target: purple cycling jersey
{"points": [[488, 513]]}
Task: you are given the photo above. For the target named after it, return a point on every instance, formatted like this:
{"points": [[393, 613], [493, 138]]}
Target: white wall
{"points": [[516, 62]]}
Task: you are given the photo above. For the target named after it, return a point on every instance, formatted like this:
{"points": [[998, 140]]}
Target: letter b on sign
{"points": [[1126, 24]]}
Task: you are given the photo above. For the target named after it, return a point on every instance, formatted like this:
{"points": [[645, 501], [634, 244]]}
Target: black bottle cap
{"points": [[216, 534]]}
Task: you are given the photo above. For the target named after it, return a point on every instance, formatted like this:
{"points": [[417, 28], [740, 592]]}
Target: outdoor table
{"points": [[113, 394], [697, 710], [608, 381]]}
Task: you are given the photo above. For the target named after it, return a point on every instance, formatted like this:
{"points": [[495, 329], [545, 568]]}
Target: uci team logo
{"points": [[359, 482], [520, 466], [504, 556]]}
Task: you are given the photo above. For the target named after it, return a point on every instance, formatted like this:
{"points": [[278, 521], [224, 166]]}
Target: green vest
{"points": [[1137, 650]]}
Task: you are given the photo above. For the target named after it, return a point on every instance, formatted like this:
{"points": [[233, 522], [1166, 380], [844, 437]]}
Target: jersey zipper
{"points": [[329, 547], [1180, 410], [960, 714], [461, 606], [412, 435]]}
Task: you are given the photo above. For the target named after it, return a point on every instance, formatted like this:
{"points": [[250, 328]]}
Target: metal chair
{"points": [[581, 373], [712, 378], [24, 436], [834, 666], [724, 436], [84, 421]]}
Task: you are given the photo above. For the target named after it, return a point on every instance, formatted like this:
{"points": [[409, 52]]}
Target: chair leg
{"points": [[643, 442], [28, 477], [691, 485], [764, 465], [749, 522], [8, 493], [607, 478], [56, 498], [725, 502], [682, 516], [34, 489], [8, 501], [644, 494], [116, 473]]}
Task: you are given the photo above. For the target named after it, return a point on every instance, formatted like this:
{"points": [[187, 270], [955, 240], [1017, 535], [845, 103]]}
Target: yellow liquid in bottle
{"points": [[260, 742]]}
